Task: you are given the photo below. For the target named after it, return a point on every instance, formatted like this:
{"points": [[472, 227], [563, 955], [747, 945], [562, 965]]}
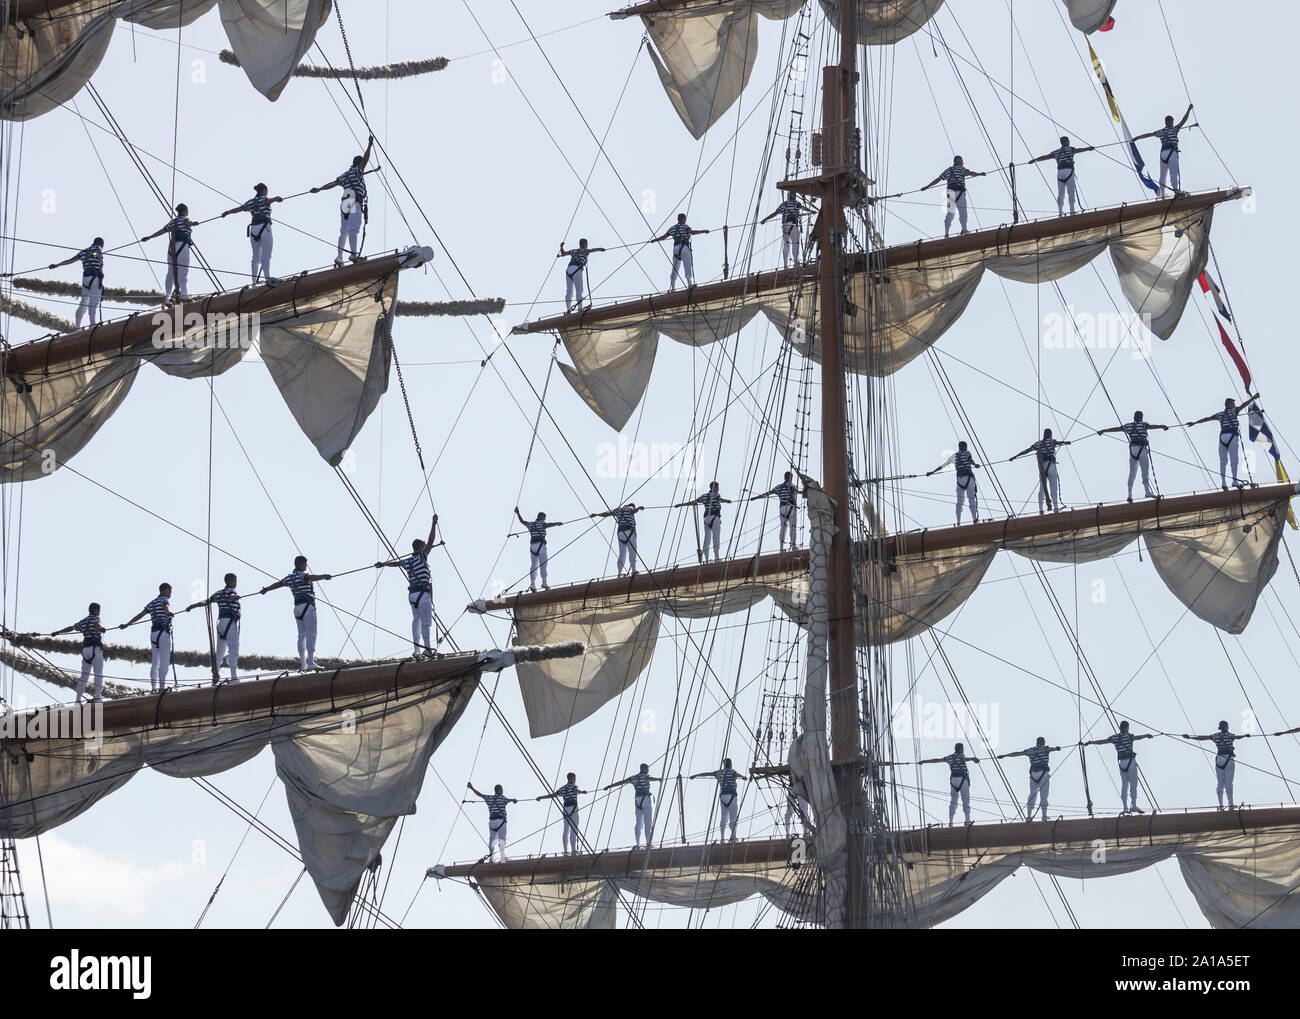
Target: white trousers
{"points": [[645, 816], [796, 808], [960, 787], [96, 662], [538, 564], [228, 645], [968, 493], [305, 617], [497, 840], [260, 238], [682, 259], [789, 243], [421, 620], [1049, 484], [1225, 768], [957, 204], [573, 277], [178, 272], [349, 228], [787, 523], [160, 642], [1140, 457], [1128, 783], [729, 805], [570, 835], [1169, 170], [1228, 452], [92, 289], [1065, 184], [712, 533], [1038, 793], [626, 547]]}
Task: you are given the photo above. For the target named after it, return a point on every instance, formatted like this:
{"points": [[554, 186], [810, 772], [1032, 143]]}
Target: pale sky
{"points": [[496, 153]]}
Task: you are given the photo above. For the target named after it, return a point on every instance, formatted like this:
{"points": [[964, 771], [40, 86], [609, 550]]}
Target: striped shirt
{"points": [[641, 785], [957, 766], [496, 804], [92, 261], [1228, 423], [712, 503], [1046, 447], [416, 566], [578, 256], [92, 631], [1168, 138], [537, 532], [260, 207], [1064, 157], [1223, 742], [304, 591], [569, 794], [963, 460], [160, 614], [179, 230], [1123, 745], [956, 177], [1136, 432], [625, 517], [786, 493], [789, 210], [1038, 758], [726, 781], [227, 600], [352, 180], [681, 235]]}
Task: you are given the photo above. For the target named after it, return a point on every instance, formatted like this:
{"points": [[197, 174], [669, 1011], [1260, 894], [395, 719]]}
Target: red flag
{"points": [[1234, 354], [1110, 23], [1208, 287]]}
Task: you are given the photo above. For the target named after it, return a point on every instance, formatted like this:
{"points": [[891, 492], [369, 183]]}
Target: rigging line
{"points": [[285, 900], [1269, 743], [176, 115], [211, 898]]}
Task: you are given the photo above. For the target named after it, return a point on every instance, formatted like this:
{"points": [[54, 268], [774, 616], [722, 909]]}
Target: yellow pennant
{"points": [[1281, 476], [1101, 77]]}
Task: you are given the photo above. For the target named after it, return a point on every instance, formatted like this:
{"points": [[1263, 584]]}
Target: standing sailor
{"points": [[789, 211], [259, 230], [1168, 136], [496, 804], [1065, 180], [537, 547], [1139, 451], [956, 176], [1225, 761], [625, 517], [92, 650], [1229, 435], [1128, 767], [178, 253], [712, 503], [568, 795], [967, 490], [787, 492], [1040, 775], [92, 279], [419, 587], [958, 778], [575, 273], [1049, 481], [228, 617], [353, 208], [645, 817], [160, 636], [300, 582], [728, 799], [681, 237]]}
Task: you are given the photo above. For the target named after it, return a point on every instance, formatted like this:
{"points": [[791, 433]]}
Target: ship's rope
{"points": [[393, 71]]}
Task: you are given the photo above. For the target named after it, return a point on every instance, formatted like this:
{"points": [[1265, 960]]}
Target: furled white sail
{"points": [[47, 59], [902, 311], [1089, 15]]}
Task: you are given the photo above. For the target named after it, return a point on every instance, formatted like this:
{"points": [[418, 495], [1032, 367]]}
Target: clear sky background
{"points": [[501, 154]]}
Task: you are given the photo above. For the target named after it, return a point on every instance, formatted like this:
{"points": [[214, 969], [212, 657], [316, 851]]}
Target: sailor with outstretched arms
{"points": [[575, 273], [92, 650], [419, 589], [353, 209], [789, 211], [681, 234], [160, 614], [956, 176], [644, 801], [967, 490], [179, 242], [1225, 760], [712, 502], [787, 492], [958, 779], [1229, 435], [728, 798], [229, 614], [1168, 136], [1065, 179], [1139, 451], [1049, 481], [1040, 774], [302, 584], [1128, 767], [625, 517], [92, 279], [568, 795], [259, 230], [537, 547], [496, 803]]}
